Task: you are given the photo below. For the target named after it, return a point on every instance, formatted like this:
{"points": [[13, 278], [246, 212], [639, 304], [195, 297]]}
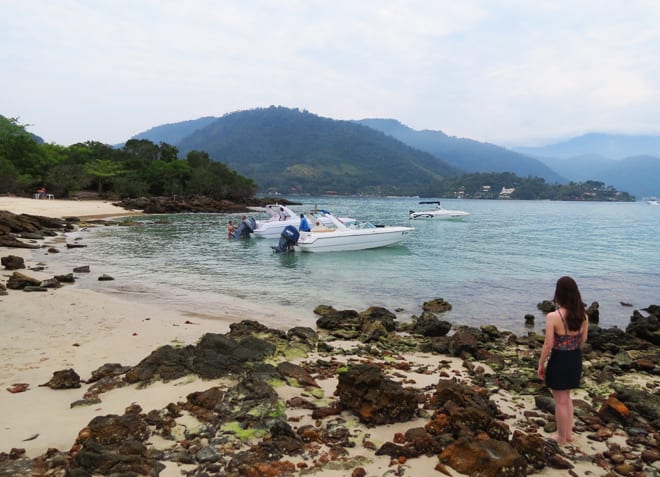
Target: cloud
{"points": [[501, 69]]}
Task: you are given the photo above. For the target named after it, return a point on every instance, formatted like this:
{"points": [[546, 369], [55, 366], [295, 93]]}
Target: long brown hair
{"points": [[568, 295]]}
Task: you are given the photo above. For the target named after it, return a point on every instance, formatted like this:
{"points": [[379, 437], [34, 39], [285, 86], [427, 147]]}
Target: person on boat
{"points": [[565, 334], [304, 224], [231, 228], [282, 214]]}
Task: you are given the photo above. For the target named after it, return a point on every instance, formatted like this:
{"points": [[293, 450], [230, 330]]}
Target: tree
{"points": [[103, 169]]}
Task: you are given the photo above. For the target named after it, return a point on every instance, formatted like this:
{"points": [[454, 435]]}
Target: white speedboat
{"points": [[653, 201], [340, 237], [280, 217], [439, 212]]}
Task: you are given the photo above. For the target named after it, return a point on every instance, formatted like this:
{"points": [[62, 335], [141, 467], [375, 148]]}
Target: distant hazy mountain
{"points": [[291, 150], [466, 154], [612, 146], [630, 163], [175, 132]]}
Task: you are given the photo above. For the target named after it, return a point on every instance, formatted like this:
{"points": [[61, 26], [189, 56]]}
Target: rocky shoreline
{"points": [[362, 394]]}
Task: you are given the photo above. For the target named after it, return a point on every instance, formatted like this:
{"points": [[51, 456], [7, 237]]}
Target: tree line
{"points": [[139, 168]]}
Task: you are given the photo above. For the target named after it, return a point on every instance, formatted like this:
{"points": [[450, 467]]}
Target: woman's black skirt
{"points": [[564, 369]]}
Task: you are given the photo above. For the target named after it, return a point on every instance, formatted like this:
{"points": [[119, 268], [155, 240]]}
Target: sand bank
{"points": [[63, 207]]}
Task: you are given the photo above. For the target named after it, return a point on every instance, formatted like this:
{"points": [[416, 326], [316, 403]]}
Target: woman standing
{"points": [[565, 333]]}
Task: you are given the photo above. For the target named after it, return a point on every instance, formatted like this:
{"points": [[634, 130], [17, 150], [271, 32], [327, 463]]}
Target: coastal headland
{"points": [[94, 384]]}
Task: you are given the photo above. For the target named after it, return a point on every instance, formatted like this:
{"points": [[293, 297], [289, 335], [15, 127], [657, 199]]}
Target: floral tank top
{"points": [[566, 342]]}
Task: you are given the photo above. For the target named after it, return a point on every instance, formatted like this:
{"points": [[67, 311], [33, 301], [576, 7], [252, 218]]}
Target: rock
{"points": [[531, 447], [68, 278], [378, 314], [437, 305], [375, 399], [332, 319], [3, 289], [75, 245], [646, 328], [81, 269], [464, 342], [105, 278], [18, 281], [593, 313], [64, 379], [546, 306], [12, 262], [290, 370], [486, 458], [51, 283], [430, 325]]}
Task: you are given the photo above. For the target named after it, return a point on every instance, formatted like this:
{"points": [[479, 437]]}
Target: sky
{"points": [[510, 72]]}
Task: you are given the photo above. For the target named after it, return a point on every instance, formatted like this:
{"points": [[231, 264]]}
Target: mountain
{"points": [[289, 150], [630, 163], [466, 154], [174, 132], [612, 146]]}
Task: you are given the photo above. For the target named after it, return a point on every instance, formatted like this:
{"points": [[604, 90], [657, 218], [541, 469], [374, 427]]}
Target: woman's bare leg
{"points": [[563, 415]]}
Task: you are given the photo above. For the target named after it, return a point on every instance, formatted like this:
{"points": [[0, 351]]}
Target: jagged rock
{"points": [[68, 278], [380, 315], [437, 305], [51, 283], [12, 242], [464, 341], [486, 458], [546, 306], [3, 289], [114, 445], [303, 334], [18, 281], [290, 370], [430, 325], [218, 355], [12, 262], [166, 363], [64, 379], [373, 398], [332, 319], [108, 369], [531, 447], [646, 328], [593, 313]]}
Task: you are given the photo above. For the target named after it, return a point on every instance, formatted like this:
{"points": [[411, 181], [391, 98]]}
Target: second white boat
{"points": [[359, 236]]}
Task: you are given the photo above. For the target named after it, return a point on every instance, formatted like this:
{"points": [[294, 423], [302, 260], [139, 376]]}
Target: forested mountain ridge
{"points": [[293, 151], [466, 154], [174, 132]]}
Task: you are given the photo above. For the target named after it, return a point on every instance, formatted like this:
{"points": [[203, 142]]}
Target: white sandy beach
{"points": [[72, 327]]}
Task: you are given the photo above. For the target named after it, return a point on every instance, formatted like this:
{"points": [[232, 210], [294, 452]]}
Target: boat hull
{"points": [[349, 240], [444, 215]]}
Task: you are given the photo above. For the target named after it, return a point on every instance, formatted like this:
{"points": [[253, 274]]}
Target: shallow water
{"points": [[494, 266]]}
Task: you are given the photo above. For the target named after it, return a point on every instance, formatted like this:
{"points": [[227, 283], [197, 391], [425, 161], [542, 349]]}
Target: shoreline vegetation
{"points": [[93, 384]]}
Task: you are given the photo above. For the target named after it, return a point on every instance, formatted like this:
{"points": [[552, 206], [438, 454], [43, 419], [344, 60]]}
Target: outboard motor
{"points": [[245, 229], [288, 238]]}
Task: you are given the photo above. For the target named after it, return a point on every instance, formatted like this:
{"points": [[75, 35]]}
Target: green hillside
{"points": [[466, 154], [293, 151]]}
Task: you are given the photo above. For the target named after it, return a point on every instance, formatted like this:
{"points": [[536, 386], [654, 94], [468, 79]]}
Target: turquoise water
{"points": [[494, 266]]}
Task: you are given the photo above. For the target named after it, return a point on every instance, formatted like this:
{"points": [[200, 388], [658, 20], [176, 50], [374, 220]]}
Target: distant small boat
{"points": [[653, 201], [439, 212]]}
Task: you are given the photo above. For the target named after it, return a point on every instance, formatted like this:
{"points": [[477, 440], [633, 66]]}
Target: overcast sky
{"points": [[513, 72]]}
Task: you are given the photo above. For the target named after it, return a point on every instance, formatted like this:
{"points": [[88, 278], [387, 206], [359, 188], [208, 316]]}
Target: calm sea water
{"points": [[495, 266]]}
